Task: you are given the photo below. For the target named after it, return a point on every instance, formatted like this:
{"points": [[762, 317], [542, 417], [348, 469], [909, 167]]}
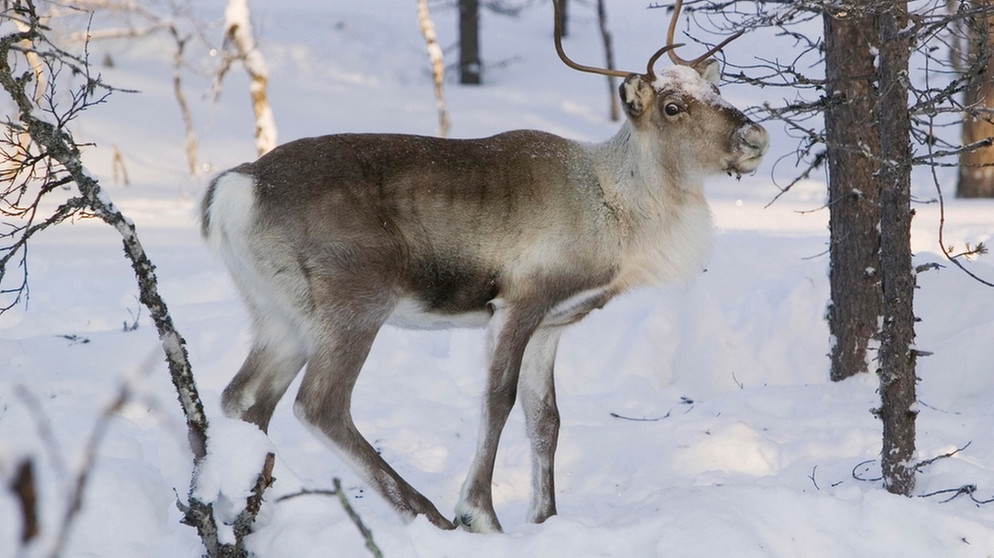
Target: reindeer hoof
{"points": [[477, 523], [442, 523]]}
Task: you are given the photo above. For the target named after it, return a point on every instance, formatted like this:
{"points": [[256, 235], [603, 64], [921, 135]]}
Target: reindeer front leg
{"points": [[510, 329], [538, 398]]}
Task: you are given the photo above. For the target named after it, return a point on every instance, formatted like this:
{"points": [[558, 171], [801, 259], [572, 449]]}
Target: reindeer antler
{"points": [[558, 33], [669, 41], [650, 74]]}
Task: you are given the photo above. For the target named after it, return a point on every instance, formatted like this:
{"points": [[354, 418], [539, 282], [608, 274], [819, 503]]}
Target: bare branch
{"points": [[83, 475], [366, 533], [349, 510], [955, 260], [26, 491], [925, 463], [246, 518]]}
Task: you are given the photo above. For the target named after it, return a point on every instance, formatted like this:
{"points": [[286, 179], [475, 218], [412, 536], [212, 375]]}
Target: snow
{"points": [[236, 452], [683, 78], [747, 448]]}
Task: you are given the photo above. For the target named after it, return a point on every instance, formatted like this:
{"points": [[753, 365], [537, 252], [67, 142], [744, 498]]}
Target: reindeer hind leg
{"points": [[324, 405], [278, 354]]}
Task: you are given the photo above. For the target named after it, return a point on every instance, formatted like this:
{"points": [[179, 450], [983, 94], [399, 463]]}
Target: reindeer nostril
{"points": [[752, 141], [757, 138]]}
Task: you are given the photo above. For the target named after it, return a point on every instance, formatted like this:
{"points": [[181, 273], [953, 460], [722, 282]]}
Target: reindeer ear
{"points": [[636, 94], [710, 70]]}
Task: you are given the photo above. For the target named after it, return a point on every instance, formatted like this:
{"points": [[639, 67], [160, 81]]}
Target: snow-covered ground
{"points": [[748, 449]]}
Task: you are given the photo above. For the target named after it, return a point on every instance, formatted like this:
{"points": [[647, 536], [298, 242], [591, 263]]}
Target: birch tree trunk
{"points": [[437, 65], [238, 34]]}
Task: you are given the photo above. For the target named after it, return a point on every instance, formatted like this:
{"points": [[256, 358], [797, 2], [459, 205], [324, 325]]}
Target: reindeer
{"points": [[525, 232]]}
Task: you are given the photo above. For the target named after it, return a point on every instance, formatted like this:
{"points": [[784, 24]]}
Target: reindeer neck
{"points": [[665, 223]]}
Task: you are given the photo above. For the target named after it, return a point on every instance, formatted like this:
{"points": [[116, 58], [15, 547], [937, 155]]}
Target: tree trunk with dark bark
{"points": [[612, 92], [976, 171], [470, 68], [897, 353], [853, 190]]}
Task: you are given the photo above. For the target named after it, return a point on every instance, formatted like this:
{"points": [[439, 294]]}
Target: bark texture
{"points": [[897, 353], [470, 68], [976, 171], [853, 156]]}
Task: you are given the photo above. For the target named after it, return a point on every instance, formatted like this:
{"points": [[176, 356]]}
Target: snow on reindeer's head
{"points": [[693, 128], [681, 115]]}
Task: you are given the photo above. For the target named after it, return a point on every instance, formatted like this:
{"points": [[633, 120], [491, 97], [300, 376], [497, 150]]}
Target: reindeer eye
{"points": [[671, 109]]}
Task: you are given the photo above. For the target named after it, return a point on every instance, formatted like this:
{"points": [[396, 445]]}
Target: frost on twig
{"points": [[53, 161], [227, 539], [49, 161]]}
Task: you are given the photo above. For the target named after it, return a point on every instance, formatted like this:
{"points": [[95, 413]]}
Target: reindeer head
{"points": [[681, 113]]}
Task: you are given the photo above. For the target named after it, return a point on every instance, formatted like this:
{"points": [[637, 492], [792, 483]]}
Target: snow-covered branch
{"points": [[56, 159]]}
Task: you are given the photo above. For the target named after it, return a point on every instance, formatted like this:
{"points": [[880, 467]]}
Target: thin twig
{"points": [[24, 487], [942, 229], [922, 464], [860, 477], [643, 419], [968, 489], [366, 533], [75, 503], [349, 510]]}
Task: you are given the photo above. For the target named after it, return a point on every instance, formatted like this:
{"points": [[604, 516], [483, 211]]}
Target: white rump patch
{"points": [[230, 210]]}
